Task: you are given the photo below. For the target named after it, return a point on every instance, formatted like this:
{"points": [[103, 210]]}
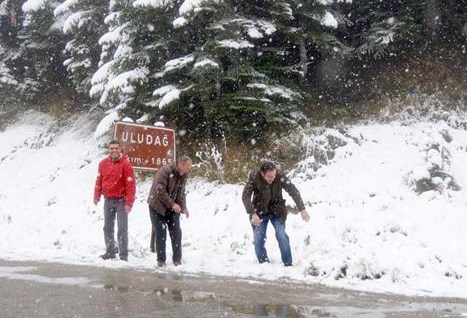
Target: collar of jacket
{"points": [[175, 171]]}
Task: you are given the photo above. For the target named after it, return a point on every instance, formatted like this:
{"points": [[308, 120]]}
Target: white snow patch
{"points": [[329, 21], [205, 63], [179, 22], [74, 20], [178, 63], [34, 5], [254, 33], [65, 7], [106, 123], [125, 83], [242, 44], [368, 230], [161, 91], [271, 90], [170, 97], [190, 6], [152, 3]]}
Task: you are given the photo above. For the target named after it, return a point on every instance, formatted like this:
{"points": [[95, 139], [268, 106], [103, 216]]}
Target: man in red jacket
{"points": [[116, 181]]}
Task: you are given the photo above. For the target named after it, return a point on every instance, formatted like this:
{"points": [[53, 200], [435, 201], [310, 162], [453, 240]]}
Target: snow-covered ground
{"points": [[370, 229]]}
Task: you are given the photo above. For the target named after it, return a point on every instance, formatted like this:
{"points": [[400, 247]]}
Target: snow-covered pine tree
{"points": [[213, 83], [122, 68], [42, 44], [8, 83], [206, 74], [237, 69], [306, 32], [380, 27], [221, 68], [10, 22], [83, 25]]}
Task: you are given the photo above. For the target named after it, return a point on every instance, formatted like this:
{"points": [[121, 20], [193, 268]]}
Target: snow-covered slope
{"points": [[375, 225]]}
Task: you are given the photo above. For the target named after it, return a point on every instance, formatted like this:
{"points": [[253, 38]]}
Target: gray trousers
{"points": [[112, 208]]}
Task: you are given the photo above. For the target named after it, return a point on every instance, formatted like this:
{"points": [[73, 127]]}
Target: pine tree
{"points": [[241, 63], [122, 70], [83, 25], [221, 68], [41, 46], [10, 68]]}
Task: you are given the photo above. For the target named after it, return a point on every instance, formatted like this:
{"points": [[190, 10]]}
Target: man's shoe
{"points": [[160, 264], [108, 256], [124, 258], [177, 263]]}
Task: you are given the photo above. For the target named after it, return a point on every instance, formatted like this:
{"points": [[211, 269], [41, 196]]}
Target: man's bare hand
{"points": [[127, 209], [305, 215], [96, 202], [176, 208], [255, 220], [187, 213]]}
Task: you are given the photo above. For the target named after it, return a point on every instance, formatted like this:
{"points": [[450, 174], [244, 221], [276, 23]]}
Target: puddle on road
{"points": [[383, 308], [175, 294], [281, 311], [18, 273], [329, 305], [122, 289], [179, 295], [294, 311]]}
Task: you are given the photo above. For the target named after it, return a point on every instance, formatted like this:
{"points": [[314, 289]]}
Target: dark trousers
{"points": [[160, 224]]}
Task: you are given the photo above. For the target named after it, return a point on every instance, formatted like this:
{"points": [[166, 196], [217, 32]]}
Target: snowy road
{"points": [[31, 289]]}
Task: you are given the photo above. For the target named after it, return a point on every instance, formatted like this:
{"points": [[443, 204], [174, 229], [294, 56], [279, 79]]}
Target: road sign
{"points": [[147, 147]]}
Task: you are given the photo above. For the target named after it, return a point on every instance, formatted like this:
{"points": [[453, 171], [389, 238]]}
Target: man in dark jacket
{"points": [[166, 202], [268, 205], [116, 181]]}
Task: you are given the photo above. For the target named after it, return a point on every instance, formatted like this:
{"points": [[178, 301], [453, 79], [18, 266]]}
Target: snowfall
{"points": [[388, 207]]}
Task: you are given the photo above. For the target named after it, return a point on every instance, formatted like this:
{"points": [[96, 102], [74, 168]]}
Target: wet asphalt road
{"points": [[32, 289]]}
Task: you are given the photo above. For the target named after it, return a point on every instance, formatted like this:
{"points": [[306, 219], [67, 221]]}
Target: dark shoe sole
{"points": [[107, 256]]}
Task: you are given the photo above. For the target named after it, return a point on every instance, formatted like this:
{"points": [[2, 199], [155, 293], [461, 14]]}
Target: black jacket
{"points": [[266, 198]]}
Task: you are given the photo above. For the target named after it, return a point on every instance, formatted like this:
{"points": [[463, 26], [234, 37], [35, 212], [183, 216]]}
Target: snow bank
{"points": [[369, 229]]}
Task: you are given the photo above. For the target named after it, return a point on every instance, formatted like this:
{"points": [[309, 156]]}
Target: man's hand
{"points": [[176, 208], [255, 220], [127, 209], [305, 215], [187, 213], [96, 202]]}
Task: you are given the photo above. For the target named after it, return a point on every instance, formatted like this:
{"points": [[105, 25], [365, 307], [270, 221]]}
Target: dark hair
{"points": [[114, 142], [267, 166], [184, 159]]}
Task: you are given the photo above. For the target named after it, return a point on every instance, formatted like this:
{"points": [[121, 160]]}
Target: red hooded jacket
{"points": [[116, 179]]}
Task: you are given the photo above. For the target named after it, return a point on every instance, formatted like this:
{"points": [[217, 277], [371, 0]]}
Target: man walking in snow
{"points": [[116, 181], [167, 201], [267, 206]]}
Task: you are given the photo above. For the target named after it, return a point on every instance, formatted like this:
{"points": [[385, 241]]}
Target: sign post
{"points": [[148, 147]]}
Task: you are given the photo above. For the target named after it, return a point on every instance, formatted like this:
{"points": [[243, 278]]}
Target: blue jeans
{"points": [[259, 234]]}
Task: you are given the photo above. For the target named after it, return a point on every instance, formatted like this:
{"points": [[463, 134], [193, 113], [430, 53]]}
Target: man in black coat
{"points": [[267, 205]]}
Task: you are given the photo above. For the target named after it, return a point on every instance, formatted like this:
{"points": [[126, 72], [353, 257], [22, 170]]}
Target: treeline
{"points": [[217, 68]]}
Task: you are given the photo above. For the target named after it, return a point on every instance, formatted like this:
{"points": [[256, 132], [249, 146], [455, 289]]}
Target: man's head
{"points": [[268, 171], [184, 164], [114, 150]]}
